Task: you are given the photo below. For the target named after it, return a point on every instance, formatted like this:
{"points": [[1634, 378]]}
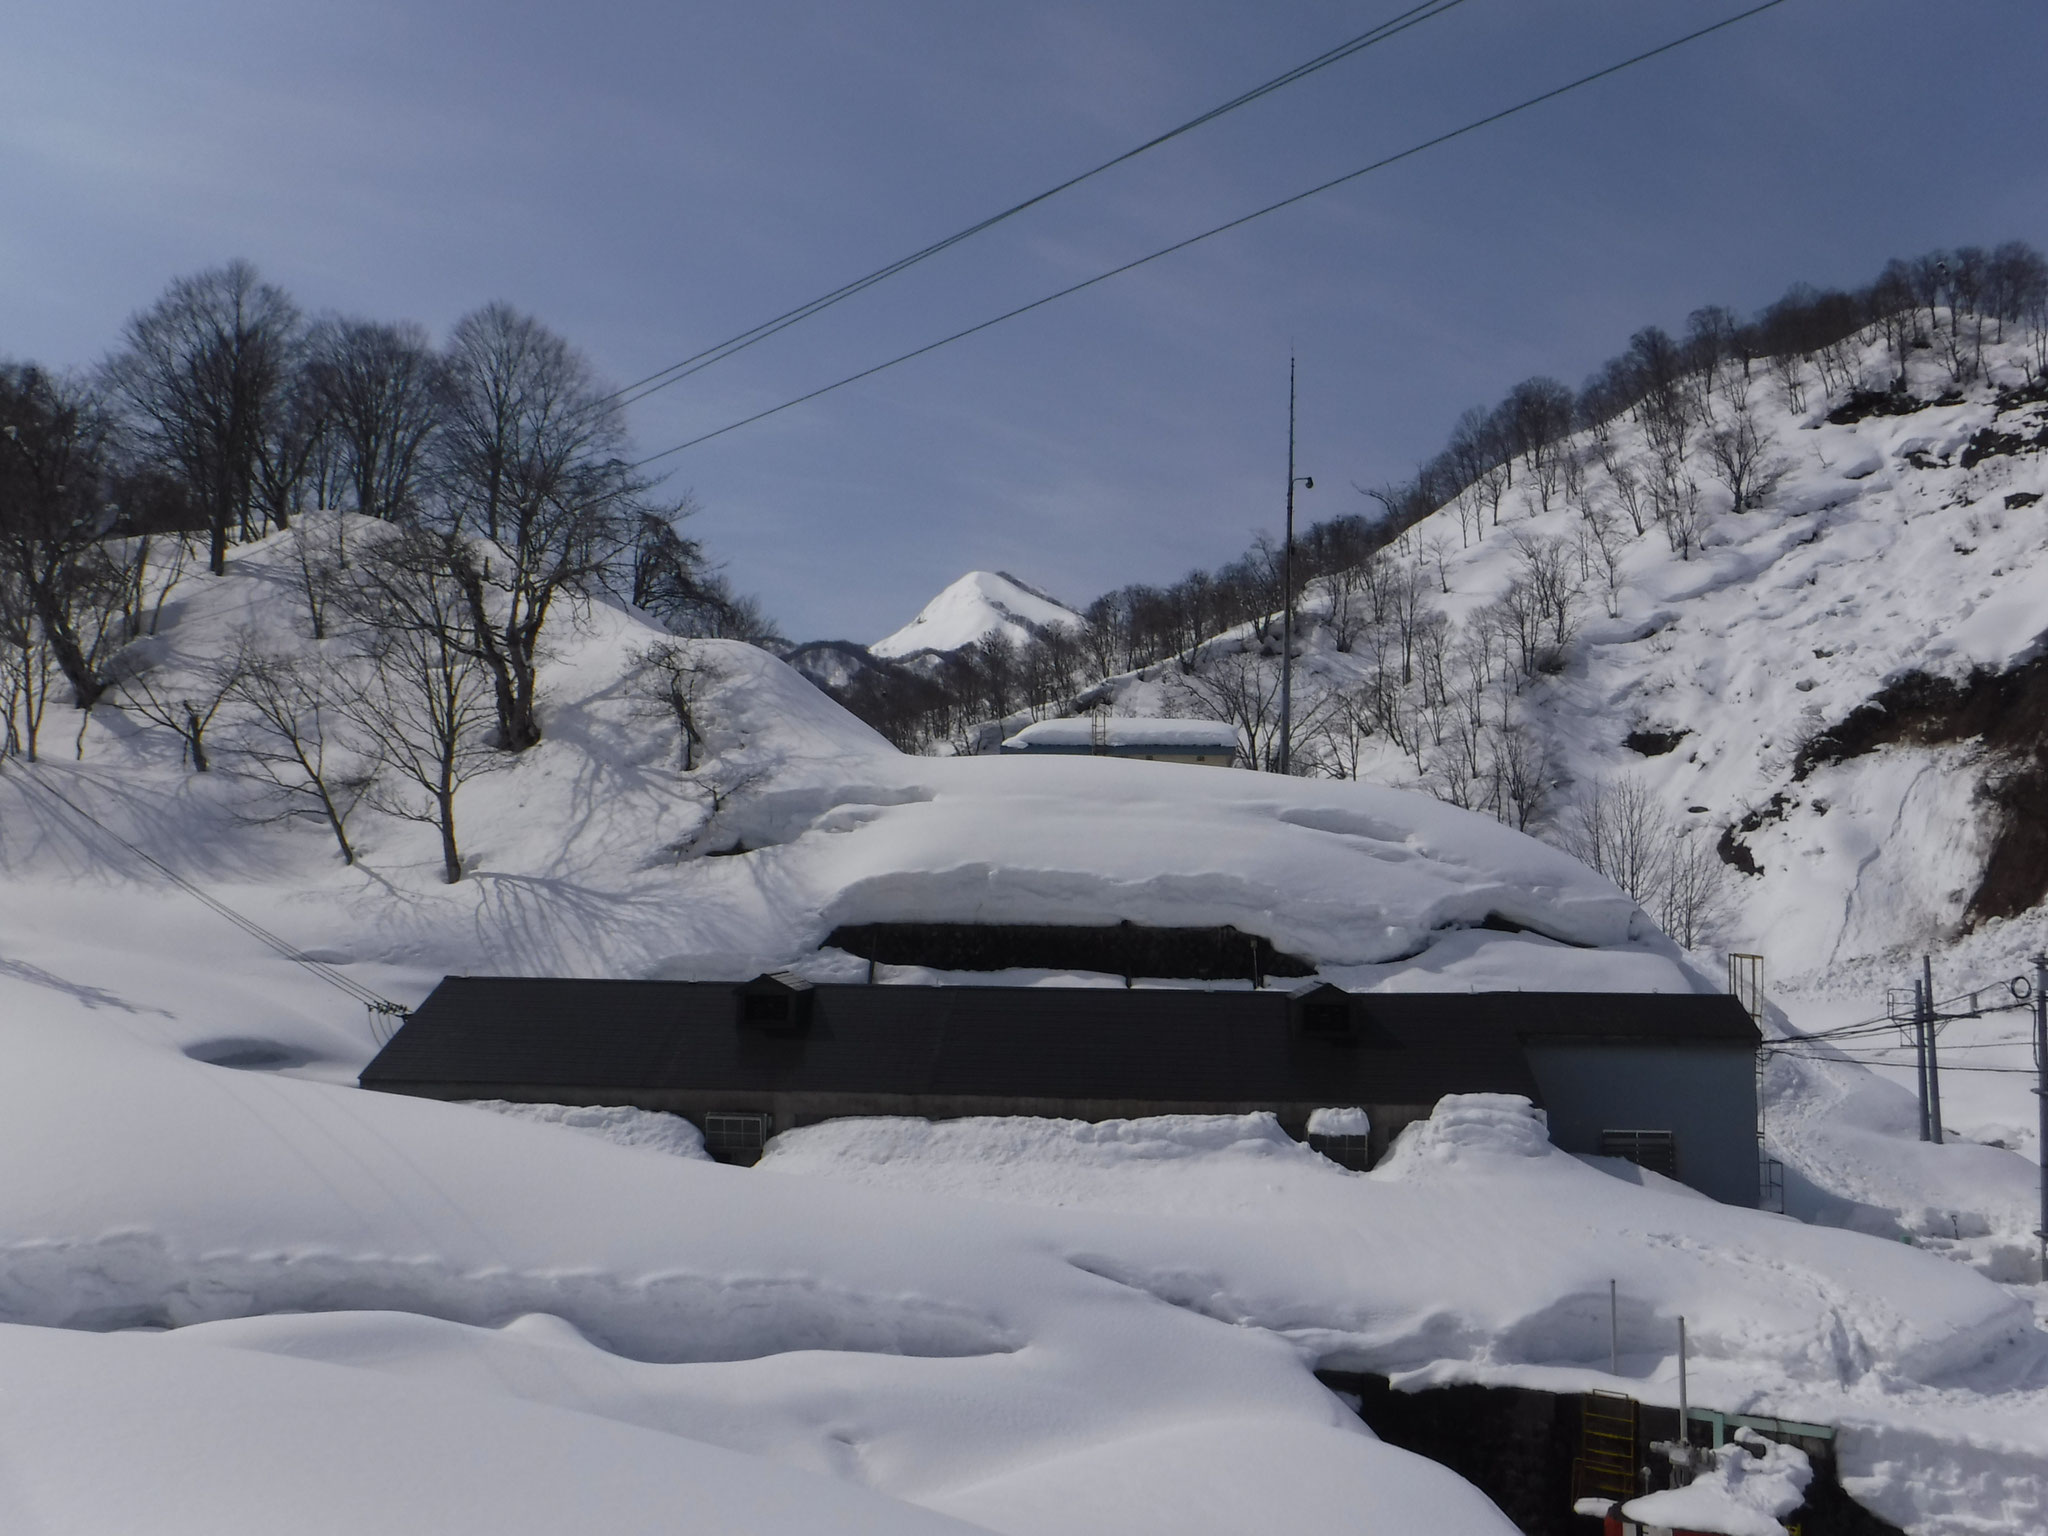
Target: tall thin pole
{"points": [[1613, 1331], [1920, 1052], [1287, 581], [2041, 1095], [1933, 1051], [1684, 1407]]}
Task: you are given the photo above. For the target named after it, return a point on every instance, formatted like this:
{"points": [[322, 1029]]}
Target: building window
{"points": [[768, 1008], [1654, 1150], [1353, 1152], [735, 1138], [1328, 1019]]}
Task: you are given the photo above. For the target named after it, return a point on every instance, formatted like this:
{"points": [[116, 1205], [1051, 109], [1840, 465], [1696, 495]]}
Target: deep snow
{"points": [[236, 1292]]}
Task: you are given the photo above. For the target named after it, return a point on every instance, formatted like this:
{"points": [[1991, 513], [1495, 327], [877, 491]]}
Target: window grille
{"points": [[1326, 1019], [1654, 1150], [1353, 1152], [735, 1138], [765, 1008]]}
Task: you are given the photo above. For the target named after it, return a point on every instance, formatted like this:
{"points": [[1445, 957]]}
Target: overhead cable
{"points": [[1180, 245], [696, 362], [376, 1002]]}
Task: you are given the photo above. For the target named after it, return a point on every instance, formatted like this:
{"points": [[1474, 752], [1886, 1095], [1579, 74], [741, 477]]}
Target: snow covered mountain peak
{"points": [[979, 604]]}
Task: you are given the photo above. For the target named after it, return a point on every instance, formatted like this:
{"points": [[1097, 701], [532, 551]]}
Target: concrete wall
{"points": [[1704, 1095]]}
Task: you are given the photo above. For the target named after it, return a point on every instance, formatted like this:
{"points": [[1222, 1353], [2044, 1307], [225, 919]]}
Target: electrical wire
{"points": [[1180, 245], [376, 1002], [639, 390]]}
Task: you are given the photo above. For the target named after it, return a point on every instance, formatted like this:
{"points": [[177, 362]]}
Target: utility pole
{"points": [[1933, 1050], [1286, 755], [1920, 1053], [2041, 1095]]}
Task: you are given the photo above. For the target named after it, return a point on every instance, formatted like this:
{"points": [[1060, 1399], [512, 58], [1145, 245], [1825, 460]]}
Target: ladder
{"points": [[1606, 1464]]}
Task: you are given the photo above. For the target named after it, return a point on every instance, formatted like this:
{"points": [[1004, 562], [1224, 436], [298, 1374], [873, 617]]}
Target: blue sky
{"points": [[649, 178]]}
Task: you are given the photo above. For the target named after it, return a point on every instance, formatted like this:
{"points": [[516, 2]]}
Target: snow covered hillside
{"points": [[238, 1292], [1817, 707], [979, 604]]}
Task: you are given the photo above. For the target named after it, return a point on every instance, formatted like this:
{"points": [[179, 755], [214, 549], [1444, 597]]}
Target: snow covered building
{"points": [[1209, 742], [1665, 1080]]}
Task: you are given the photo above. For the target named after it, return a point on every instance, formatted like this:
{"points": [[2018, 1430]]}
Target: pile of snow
{"points": [[1469, 1128], [1339, 1122], [1145, 1165], [978, 605], [646, 1129], [1753, 1484]]}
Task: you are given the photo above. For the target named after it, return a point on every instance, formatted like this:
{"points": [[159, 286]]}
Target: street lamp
{"points": [[1307, 483]]}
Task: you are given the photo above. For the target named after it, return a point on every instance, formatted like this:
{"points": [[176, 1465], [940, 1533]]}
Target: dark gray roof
{"points": [[1162, 1045]]}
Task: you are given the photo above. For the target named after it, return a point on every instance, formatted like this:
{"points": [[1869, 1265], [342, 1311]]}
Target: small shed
{"points": [[1212, 743]]}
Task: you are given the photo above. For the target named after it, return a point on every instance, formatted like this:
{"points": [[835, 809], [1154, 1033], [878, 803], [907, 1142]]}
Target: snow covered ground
{"points": [[238, 1293]]}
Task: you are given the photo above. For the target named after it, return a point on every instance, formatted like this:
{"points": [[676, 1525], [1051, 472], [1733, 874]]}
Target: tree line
{"points": [[447, 508], [1693, 396]]}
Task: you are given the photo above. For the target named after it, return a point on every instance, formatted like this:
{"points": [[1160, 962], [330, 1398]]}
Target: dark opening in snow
{"points": [[1518, 1446], [1653, 743], [249, 1055]]}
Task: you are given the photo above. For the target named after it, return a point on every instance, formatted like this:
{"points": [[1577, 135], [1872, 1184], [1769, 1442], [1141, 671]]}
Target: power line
{"points": [[376, 1002], [1180, 245], [697, 362]]}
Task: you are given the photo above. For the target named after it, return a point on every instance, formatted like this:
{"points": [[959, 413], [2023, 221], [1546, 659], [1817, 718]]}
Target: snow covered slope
{"points": [[979, 604], [1720, 669], [234, 1287]]}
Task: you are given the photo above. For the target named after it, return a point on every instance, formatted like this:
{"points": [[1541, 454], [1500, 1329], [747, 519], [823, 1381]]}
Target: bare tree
{"points": [[427, 704], [1620, 829], [202, 374], [1695, 894], [320, 564], [537, 501], [1789, 370], [1241, 689], [28, 670], [1680, 514], [1739, 452], [378, 387], [61, 585], [184, 700], [1545, 574], [1602, 545], [671, 681], [283, 707], [1628, 482]]}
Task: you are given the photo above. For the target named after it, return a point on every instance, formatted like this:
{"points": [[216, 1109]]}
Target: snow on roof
{"points": [[1205, 735], [978, 604]]}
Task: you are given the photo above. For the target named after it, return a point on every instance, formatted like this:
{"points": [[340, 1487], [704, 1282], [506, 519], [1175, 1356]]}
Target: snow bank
{"points": [[1752, 1486], [1339, 1122], [648, 1130], [1468, 1128]]}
